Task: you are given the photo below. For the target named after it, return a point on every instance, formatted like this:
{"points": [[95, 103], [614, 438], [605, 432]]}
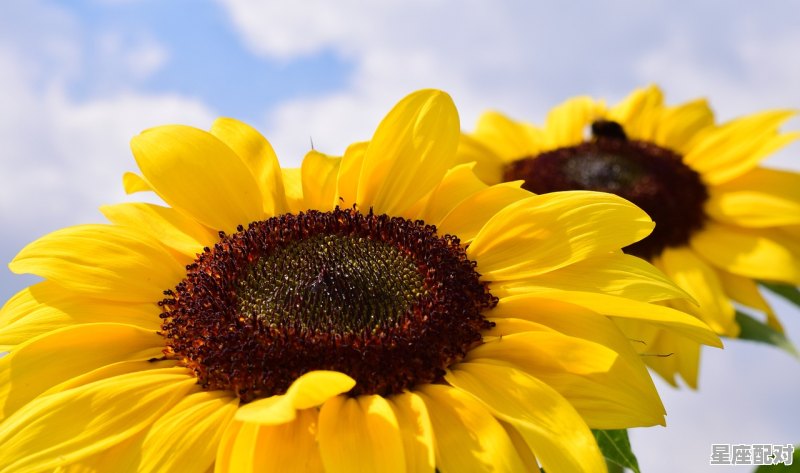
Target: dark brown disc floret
{"points": [[652, 177], [383, 299]]}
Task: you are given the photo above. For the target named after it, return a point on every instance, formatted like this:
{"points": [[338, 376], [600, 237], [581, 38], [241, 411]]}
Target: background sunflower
{"points": [[721, 219]]}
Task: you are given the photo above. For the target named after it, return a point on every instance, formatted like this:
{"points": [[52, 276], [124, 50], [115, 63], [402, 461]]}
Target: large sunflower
{"points": [[375, 312], [722, 221]]}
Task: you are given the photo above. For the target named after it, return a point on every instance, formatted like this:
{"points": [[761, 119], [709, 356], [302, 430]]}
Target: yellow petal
{"points": [[545, 232], [256, 152], [133, 183], [564, 317], [639, 113], [360, 434], [524, 452], [700, 280], [411, 150], [288, 447], [170, 227], [504, 326], [49, 302], [105, 261], [180, 439], [745, 291], [25, 302], [416, 431], [508, 139], [129, 456], [567, 123], [587, 324], [309, 390], [554, 431], [293, 183], [458, 184], [235, 449], [467, 218], [615, 273], [668, 354], [45, 307], [759, 198], [199, 175], [56, 356], [664, 317], [793, 231], [89, 419], [608, 389], [349, 173], [528, 350], [758, 254], [688, 357], [467, 436], [730, 150], [319, 174], [123, 457], [111, 370], [678, 125], [488, 165]]}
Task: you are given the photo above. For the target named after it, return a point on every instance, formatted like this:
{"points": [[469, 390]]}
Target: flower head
{"points": [[378, 311], [722, 221]]}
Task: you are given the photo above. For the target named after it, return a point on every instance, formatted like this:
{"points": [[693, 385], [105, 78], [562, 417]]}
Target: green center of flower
{"points": [[385, 300], [312, 284], [652, 177]]}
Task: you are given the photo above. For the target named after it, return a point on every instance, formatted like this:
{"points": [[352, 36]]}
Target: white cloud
{"points": [[63, 157], [139, 59], [36, 29], [515, 56], [762, 77], [306, 27], [395, 46]]}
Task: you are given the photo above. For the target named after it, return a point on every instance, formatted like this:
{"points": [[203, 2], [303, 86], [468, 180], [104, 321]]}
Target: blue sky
{"points": [[199, 44], [79, 78]]}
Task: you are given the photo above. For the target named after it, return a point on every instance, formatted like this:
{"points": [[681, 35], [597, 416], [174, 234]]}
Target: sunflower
{"points": [[380, 311], [723, 223]]}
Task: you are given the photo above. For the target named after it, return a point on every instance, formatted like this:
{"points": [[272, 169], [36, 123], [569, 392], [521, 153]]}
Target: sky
{"points": [[78, 79]]}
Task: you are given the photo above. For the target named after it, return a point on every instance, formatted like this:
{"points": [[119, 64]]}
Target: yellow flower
{"points": [[283, 320], [722, 222]]}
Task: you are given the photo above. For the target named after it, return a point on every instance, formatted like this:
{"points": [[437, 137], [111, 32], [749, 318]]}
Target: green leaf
{"points": [[790, 293], [616, 449], [758, 331]]}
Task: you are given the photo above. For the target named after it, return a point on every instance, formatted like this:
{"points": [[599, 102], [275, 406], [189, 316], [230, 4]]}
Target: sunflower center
{"points": [[313, 284], [385, 300], [652, 177]]}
